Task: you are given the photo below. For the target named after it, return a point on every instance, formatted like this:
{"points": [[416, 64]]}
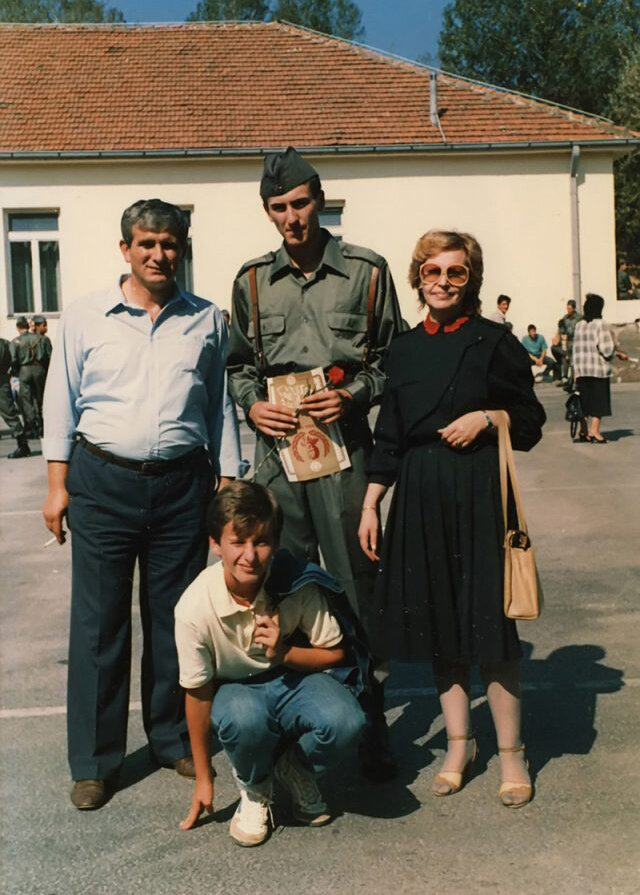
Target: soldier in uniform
{"points": [[315, 302], [8, 410], [31, 356]]}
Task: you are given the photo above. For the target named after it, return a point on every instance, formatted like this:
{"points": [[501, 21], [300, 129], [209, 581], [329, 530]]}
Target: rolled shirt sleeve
{"points": [[62, 390], [195, 656]]}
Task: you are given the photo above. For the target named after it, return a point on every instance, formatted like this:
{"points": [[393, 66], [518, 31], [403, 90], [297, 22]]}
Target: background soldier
{"points": [[563, 348], [315, 302], [31, 356], [8, 410]]}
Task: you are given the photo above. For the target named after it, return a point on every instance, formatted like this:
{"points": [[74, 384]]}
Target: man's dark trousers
{"points": [[116, 516]]}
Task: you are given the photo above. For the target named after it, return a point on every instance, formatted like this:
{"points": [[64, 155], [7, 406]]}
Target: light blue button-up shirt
{"points": [[140, 389]]}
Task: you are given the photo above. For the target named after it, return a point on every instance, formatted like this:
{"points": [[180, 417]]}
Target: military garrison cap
{"points": [[22, 323], [38, 319], [283, 171]]}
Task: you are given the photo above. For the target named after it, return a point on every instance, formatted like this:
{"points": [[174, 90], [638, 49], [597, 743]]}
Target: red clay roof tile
{"points": [[241, 86]]}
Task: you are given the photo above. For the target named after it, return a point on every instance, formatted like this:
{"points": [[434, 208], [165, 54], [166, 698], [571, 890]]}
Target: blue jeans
{"points": [[250, 719]]}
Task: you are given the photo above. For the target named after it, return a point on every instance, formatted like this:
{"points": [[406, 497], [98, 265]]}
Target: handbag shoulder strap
{"points": [[255, 313], [508, 472], [371, 306]]}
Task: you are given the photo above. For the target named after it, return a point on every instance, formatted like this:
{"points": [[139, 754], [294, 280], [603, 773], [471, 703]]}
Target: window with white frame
{"points": [[331, 217], [34, 262], [184, 277]]}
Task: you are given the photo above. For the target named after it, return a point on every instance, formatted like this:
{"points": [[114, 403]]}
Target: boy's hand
{"points": [[202, 801], [267, 633]]}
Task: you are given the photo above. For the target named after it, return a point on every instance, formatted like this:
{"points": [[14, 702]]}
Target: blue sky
{"points": [[406, 27]]}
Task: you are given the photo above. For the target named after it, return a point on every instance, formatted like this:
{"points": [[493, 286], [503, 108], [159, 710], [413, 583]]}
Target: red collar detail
{"points": [[432, 327]]}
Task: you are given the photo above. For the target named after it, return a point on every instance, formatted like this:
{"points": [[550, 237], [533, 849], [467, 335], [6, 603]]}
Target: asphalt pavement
{"points": [[582, 698]]}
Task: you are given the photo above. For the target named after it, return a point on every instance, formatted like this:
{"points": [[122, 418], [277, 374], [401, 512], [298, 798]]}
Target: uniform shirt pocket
{"points": [[270, 327]]}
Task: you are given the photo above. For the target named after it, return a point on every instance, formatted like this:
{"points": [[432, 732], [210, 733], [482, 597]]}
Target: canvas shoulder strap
{"points": [[371, 317], [255, 313]]}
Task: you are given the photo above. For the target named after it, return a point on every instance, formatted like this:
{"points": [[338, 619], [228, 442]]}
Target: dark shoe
{"points": [[594, 440], [88, 795], [185, 767], [582, 436], [23, 449]]}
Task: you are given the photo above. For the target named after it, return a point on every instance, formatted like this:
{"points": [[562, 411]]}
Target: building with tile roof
{"points": [[93, 117]]}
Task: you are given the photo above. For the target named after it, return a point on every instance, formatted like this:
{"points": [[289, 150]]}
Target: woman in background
{"points": [[593, 350]]}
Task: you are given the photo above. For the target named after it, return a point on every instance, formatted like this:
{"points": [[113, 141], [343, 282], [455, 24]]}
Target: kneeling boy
{"points": [[242, 673]]}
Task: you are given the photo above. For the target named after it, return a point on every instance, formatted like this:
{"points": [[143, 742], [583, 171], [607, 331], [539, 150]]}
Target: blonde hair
{"points": [[434, 241]]}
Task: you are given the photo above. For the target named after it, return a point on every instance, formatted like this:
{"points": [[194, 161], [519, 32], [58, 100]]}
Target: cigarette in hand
{"points": [[50, 541]]}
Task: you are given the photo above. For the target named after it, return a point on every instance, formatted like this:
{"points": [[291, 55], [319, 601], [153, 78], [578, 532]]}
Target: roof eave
{"points": [[622, 144]]}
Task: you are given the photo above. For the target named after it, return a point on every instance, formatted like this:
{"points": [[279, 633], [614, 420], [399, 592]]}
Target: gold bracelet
{"points": [[369, 508]]}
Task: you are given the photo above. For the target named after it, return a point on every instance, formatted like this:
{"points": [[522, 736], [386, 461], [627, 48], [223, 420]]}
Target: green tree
{"points": [[624, 107], [580, 53], [58, 11], [233, 10], [340, 17], [567, 51]]}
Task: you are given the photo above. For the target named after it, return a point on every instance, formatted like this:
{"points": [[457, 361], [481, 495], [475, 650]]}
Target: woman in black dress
{"points": [[440, 583]]}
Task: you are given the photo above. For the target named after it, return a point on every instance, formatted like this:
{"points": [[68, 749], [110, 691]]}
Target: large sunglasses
{"points": [[455, 274]]}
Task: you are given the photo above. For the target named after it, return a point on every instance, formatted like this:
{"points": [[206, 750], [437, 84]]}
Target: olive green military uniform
{"points": [[8, 410], [307, 323], [31, 355]]}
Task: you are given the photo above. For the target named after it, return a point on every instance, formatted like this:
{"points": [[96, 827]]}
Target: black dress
{"points": [[439, 589]]}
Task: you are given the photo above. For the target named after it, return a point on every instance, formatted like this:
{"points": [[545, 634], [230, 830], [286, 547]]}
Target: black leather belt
{"points": [[146, 467]]}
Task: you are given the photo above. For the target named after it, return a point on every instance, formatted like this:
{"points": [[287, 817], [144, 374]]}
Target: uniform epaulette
{"points": [[257, 262], [364, 254]]}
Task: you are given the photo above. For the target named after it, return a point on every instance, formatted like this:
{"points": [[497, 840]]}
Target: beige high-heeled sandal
{"points": [[515, 795], [453, 781]]}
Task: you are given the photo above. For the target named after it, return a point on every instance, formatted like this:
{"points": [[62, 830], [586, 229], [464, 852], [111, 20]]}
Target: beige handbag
{"points": [[522, 589]]}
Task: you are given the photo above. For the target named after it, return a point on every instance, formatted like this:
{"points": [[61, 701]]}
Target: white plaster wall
{"points": [[518, 206]]}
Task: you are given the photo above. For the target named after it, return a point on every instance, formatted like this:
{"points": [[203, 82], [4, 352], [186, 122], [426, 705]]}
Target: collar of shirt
{"points": [[432, 326], [225, 605], [331, 257], [116, 300]]}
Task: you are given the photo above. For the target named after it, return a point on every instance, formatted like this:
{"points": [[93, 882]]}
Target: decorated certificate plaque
{"points": [[314, 450]]}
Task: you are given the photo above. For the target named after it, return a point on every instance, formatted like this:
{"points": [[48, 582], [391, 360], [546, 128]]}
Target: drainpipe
{"points": [[575, 227]]}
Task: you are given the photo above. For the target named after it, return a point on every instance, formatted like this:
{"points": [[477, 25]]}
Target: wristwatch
{"points": [[490, 424]]}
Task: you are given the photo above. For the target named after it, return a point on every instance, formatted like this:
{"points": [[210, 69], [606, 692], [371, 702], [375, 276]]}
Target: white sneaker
{"points": [[250, 823], [308, 805]]}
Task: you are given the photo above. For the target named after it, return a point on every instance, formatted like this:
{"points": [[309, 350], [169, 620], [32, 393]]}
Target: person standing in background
{"points": [[500, 314], [8, 410], [31, 356]]}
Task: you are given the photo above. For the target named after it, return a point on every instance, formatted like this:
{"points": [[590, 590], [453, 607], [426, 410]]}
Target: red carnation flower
{"points": [[335, 375]]}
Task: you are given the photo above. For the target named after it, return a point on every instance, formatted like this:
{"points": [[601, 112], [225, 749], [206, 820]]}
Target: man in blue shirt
{"points": [[537, 348], [133, 410]]}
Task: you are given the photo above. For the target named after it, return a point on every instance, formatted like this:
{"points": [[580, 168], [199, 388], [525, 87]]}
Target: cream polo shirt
{"points": [[214, 634]]}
